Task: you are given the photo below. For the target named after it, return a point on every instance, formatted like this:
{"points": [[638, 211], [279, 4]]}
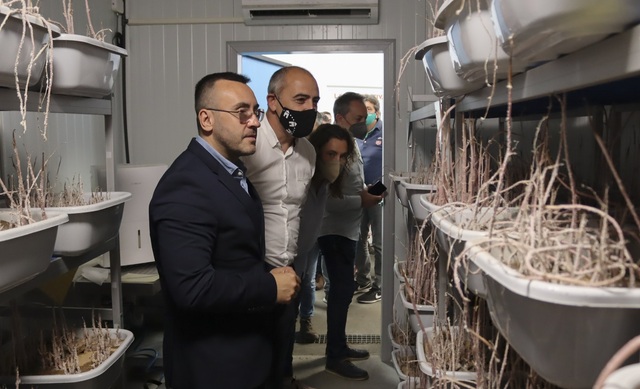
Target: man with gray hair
{"points": [[371, 150]]}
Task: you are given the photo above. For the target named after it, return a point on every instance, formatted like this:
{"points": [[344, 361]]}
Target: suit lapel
{"points": [[250, 201]]}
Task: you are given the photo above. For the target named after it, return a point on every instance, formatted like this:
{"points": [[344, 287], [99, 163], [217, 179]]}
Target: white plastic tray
{"points": [[436, 58], [542, 30], [102, 377], [452, 236], [25, 251], [426, 367], [473, 44], [414, 191], [10, 36], [401, 193], [566, 333], [84, 66], [627, 377], [420, 314], [90, 225], [395, 355]]}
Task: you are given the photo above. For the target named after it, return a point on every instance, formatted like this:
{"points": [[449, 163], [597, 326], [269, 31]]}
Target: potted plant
{"points": [[405, 362], [64, 358], [27, 233], [25, 38], [445, 355], [94, 218], [580, 280], [84, 65]]}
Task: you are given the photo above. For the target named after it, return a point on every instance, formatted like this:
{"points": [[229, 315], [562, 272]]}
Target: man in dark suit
{"points": [[207, 234]]}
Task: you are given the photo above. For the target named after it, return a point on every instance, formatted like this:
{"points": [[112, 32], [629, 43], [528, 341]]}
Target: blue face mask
{"points": [[371, 118]]}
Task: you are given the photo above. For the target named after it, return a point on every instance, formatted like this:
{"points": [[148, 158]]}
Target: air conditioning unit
{"points": [[292, 12]]}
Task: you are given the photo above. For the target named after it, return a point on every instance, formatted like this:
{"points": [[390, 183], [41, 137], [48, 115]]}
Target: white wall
{"points": [[161, 101]]}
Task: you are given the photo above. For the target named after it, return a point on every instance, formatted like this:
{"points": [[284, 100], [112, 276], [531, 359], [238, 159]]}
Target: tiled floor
{"points": [[363, 325]]}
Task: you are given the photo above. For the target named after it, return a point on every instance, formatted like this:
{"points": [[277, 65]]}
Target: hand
{"points": [[287, 284], [369, 200]]}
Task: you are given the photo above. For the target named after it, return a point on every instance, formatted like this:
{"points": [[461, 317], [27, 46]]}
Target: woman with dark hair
{"points": [[334, 150]]}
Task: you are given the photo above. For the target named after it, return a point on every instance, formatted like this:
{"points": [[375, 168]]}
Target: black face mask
{"points": [[358, 130], [297, 123]]}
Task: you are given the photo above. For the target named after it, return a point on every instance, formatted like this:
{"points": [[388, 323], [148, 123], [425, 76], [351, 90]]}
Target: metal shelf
{"points": [[75, 105], [58, 103]]}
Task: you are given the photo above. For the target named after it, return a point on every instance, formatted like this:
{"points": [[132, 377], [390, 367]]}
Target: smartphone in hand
{"points": [[377, 189]]}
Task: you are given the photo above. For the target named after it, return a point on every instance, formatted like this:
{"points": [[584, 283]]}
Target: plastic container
{"points": [[90, 225], [627, 377], [421, 313], [545, 29], [394, 344], [436, 58], [84, 66], [401, 192], [452, 233], [25, 251], [103, 376], [566, 333], [473, 44], [425, 365], [414, 191], [398, 271], [10, 37], [396, 355]]}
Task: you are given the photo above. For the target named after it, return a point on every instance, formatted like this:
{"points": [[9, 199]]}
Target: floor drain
{"points": [[353, 339]]}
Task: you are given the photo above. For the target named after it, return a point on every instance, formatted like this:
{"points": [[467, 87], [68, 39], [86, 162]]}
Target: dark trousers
{"points": [[283, 342], [339, 255]]}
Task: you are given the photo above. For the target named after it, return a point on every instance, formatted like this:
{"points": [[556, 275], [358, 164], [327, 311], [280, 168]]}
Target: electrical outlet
{"points": [[117, 6]]}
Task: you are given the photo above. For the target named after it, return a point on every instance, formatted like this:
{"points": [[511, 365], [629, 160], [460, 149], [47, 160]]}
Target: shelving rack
{"points": [[589, 75], [605, 74], [61, 265]]}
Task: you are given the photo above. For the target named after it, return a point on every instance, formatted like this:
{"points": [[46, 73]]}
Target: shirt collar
{"points": [[270, 134], [238, 170]]}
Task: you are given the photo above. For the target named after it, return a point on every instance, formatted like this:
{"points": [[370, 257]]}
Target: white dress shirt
{"points": [[282, 180]]}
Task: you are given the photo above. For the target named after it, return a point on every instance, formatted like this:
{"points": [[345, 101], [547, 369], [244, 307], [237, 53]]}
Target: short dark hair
{"points": [[207, 82], [343, 103], [320, 137]]}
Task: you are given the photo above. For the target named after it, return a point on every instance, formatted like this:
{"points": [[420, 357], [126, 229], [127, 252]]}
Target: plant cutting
{"points": [[64, 358], [401, 335], [84, 65], [419, 296], [26, 40], [406, 364]]}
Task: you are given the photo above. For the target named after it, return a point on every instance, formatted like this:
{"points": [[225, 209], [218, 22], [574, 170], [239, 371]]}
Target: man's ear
{"points": [[272, 103], [206, 119]]}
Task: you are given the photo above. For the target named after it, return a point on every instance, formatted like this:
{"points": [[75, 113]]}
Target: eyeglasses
{"points": [[244, 114]]}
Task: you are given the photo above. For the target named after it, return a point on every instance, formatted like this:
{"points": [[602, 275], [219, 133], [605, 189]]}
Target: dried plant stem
{"points": [[616, 176], [629, 349]]}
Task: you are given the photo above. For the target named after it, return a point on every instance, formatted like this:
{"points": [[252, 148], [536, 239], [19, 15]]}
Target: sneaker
{"points": [[361, 288], [346, 369], [372, 296], [354, 354]]}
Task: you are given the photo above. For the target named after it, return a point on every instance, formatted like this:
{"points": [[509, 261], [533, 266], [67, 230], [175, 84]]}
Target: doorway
{"points": [[278, 51]]}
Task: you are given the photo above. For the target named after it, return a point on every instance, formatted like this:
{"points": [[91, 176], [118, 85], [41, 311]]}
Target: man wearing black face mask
{"points": [[281, 170], [339, 235]]}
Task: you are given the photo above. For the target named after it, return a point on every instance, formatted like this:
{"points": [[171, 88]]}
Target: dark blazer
{"points": [[207, 236]]}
